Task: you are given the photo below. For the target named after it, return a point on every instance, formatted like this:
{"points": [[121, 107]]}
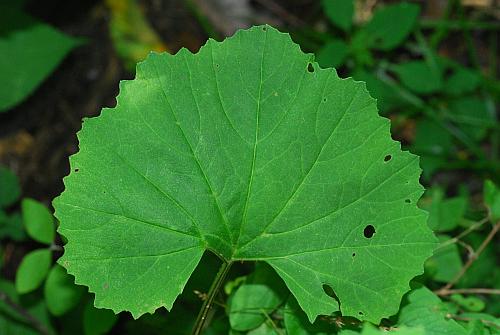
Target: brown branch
{"points": [[491, 291], [32, 321], [471, 260]]}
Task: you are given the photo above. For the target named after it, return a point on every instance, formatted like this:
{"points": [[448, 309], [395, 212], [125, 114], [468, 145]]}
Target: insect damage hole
{"points": [[408, 201], [369, 231], [329, 292], [77, 169], [387, 158], [310, 67]]}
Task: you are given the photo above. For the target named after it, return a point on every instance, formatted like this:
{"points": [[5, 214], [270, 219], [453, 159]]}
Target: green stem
{"points": [[469, 42], [212, 292], [442, 26]]}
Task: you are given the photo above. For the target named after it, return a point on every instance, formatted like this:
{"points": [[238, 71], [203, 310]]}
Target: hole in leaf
{"points": [[369, 231], [387, 158], [310, 67], [353, 254], [408, 201], [360, 313], [329, 292], [77, 169], [324, 99], [264, 28]]}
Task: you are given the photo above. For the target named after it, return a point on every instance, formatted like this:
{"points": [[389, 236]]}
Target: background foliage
{"points": [[433, 67]]}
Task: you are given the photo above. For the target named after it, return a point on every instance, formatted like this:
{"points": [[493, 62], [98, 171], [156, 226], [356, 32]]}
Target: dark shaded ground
{"points": [[37, 136]]}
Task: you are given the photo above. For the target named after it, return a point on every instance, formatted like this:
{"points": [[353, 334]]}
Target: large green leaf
{"points": [[250, 150], [30, 51]]}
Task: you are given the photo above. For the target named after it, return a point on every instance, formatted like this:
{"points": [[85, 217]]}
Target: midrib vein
{"points": [[252, 168]]}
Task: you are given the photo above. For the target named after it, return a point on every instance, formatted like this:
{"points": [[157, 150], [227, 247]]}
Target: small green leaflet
{"points": [[424, 309], [38, 221], [256, 299], [492, 199], [446, 262], [30, 51], [252, 151], [340, 12], [392, 24]]}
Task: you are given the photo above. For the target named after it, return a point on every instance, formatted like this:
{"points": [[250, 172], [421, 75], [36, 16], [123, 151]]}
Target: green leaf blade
{"points": [[340, 12], [392, 24], [255, 300], [38, 221], [61, 294], [33, 270], [32, 50], [249, 150], [97, 321]]}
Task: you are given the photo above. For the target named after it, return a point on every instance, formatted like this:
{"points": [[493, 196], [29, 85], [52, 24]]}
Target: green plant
{"points": [[222, 156], [41, 289], [251, 151], [30, 51], [452, 104]]}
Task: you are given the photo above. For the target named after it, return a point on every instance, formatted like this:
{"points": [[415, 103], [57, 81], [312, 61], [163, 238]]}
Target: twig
{"points": [[273, 325], [470, 250], [466, 232], [471, 259], [33, 322], [491, 291]]}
